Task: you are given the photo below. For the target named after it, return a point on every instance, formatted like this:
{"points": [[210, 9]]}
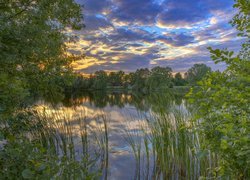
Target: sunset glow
{"points": [[127, 35]]}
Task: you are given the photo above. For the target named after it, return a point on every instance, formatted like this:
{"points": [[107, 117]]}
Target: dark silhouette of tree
{"points": [[116, 78], [179, 80]]}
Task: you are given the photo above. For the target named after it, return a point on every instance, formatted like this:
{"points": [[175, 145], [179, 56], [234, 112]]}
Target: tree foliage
{"points": [[179, 80], [197, 73], [223, 104], [34, 60], [160, 77], [33, 51], [100, 80], [116, 78], [143, 80]]}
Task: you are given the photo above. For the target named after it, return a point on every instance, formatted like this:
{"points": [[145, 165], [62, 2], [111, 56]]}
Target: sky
{"points": [[131, 34]]}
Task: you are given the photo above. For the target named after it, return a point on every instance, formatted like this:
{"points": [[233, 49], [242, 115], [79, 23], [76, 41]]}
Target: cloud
{"points": [[94, 22], [94, 6], [129, 63], [135, 11], [130, 34], [199, 55], [177, 39], [181, 13]]}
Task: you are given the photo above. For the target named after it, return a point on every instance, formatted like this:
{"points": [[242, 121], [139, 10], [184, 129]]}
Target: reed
{"points": [[171, 147], [82, 150]]}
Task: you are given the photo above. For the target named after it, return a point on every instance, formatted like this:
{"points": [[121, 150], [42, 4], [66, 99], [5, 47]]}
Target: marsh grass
{"points": [[77, 137], [62, 142], [136, 135], [170, 147]]}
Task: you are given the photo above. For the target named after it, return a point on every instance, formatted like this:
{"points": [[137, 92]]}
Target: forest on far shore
{"points": [[143, 79]]}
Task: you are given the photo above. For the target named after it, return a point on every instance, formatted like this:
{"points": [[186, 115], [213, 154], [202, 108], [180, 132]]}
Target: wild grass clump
{"points": [[55, 144], [171, 148]]}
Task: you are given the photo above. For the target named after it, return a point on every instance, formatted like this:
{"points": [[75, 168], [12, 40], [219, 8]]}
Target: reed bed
{"points": [[169, 147], [79, 141]]}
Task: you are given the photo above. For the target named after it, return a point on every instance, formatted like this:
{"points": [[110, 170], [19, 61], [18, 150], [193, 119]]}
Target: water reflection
{"points": [[143, 136], [143, 102]]}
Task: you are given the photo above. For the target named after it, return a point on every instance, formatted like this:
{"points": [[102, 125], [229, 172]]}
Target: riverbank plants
{"points": [[222, 103], [169, 147], [55, 145]]}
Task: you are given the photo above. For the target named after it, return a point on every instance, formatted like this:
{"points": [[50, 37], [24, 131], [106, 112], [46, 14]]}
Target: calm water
{"points": [[127, 117]]}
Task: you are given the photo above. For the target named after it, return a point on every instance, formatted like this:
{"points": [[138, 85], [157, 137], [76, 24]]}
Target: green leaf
{"points": [[224, 144], [27, 174]]}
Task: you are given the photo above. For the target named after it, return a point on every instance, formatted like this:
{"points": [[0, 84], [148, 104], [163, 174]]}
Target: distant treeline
{"points": [[144, 80]]}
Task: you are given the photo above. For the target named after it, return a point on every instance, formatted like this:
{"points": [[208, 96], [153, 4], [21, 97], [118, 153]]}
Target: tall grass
{"points": [[171, 147], [71, 135], [62, 142]]}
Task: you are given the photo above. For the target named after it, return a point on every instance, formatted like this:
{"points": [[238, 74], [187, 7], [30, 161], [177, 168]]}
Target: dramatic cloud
{"points": [[130, 34], [94, 23], [177, 40], [95, 6], [134, 11], [181, 13]]}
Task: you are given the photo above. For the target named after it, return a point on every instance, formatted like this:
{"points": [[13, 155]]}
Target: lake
{"points": [[130, 135]]}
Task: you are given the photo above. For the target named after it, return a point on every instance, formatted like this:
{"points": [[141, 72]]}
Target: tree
{"points": [[34, 59], [127, 80], [33, 51], [160, 77], [80, 84], [179, 80], [116, 78], [197, 73], [139, 79], [223, 104], [100, 80]]}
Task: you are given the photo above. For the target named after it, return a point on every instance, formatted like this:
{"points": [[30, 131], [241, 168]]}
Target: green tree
{"points": [[128, 80], [33, 51], [223, 104], [139, 79], [179, 80], [116, 78], [100, 80], [197, 73], [81, 83], [34, 59], [160, 77]]}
